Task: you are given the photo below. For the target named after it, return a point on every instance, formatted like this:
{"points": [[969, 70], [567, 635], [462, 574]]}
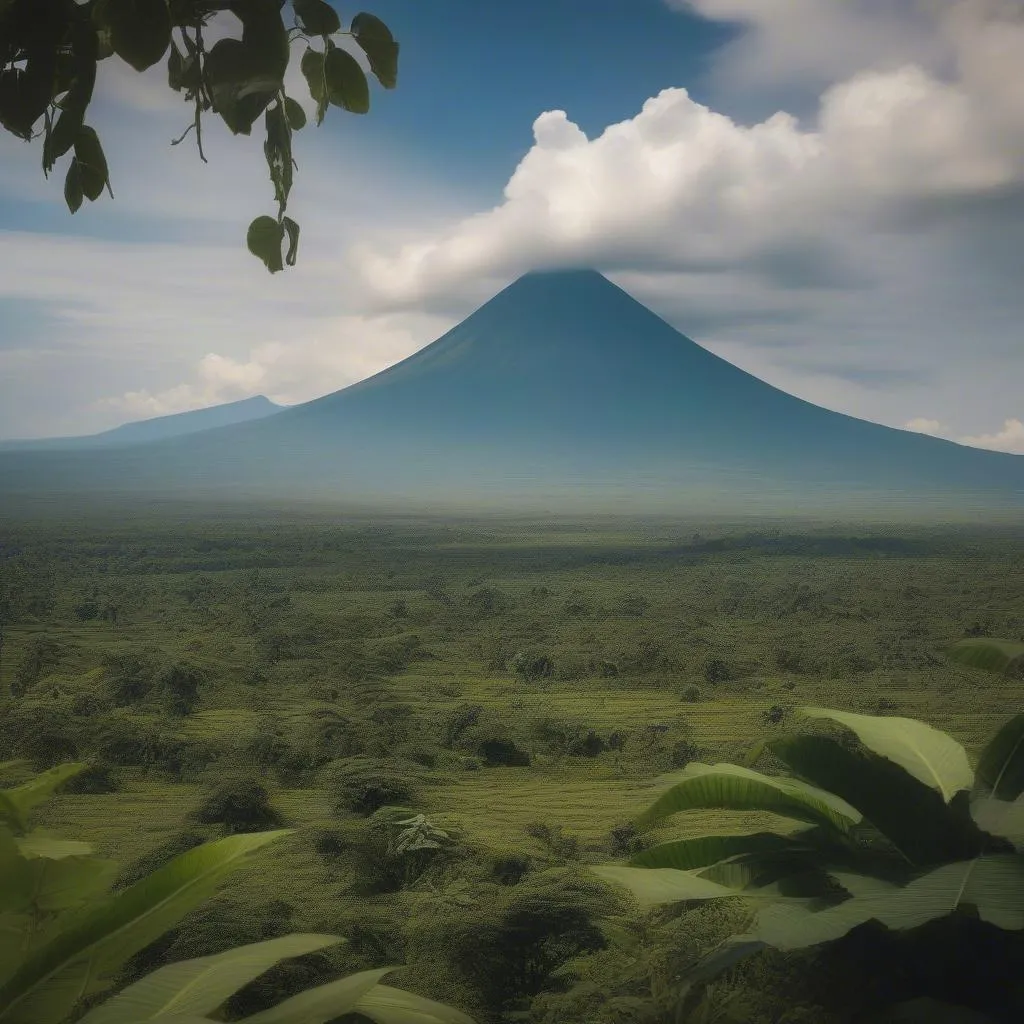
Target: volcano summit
{"points": [[561, 390]]}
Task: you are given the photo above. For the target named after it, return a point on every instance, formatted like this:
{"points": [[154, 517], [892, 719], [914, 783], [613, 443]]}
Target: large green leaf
{"points": [[323, 1003], [1000, 770], [312, 67], [929, 755], [1000, 818], [740, 789], [652, 886], [59, 874], [387, 1005], [264, 240], [994, 886], [264, 36], [92, 162], [1006, 656], [17, 802], [295, 114], [346, 84], [199, 986], [687, 854], [376, 41], [914, 818], [77, 962], [316, 18], [140, 30], [241, 87]]}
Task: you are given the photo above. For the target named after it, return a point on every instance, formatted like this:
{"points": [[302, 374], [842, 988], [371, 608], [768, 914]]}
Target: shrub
{"points": [[560, 736], [692, 693], [717, 670], [240, 804], [458, 721], [97, 778], [494, 742], [365, 786], [562, 846], [178, 684], [617, 739], [40, 655], [505, 949], [502, 750], [88, 703], [775, 715], [129, 675], [330, 844], [510, 868], [43, 731], [683, 752], [624, 840], [531, 666], [396, 846]]}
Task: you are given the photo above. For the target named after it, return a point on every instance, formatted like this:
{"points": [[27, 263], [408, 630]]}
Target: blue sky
{"points": [[825, 192]]}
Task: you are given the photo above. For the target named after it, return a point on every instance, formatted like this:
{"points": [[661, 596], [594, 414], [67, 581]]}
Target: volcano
{"points": [[158, 427], [562, 389]]}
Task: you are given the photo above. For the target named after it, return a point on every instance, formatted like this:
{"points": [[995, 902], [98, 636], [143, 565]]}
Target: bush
{"points": [[365, 786], [44, 731], [531, 666], [129, 675], [510, 868], [683, 752], [40, 655], [97, 778], [692, 694], [506, 947], [775, 715], [330, 844], [717, 670], [560, 736], [494, 742], [624, 840], [241, 805], [562, 846], [178, 684], [457, 722], [395, 848], [503, 751]]}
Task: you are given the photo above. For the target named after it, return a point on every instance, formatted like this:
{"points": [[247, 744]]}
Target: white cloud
{"points": [[816, 42], [923, 426], [869, 244], [1009, 439]]}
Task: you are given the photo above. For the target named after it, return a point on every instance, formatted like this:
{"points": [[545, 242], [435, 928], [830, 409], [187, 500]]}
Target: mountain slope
{"points": [[159, 427], [561, 387]]}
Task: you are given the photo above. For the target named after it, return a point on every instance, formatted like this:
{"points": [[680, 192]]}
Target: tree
{"points": [[50, 49]]}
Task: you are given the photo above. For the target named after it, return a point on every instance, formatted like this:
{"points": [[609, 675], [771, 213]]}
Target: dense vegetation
{"points": [[459, 721]]}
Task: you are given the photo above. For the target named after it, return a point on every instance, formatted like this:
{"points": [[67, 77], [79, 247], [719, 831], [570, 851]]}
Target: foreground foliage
{"points": [[62, 937], [891, 826], [49, 51]]}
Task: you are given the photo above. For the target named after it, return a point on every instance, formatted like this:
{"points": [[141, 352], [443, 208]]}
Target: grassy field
{"points": [[686, 640]]}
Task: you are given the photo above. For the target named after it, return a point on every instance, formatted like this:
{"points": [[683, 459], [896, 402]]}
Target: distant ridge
{"points": [[562, 391], [176, 424]]}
